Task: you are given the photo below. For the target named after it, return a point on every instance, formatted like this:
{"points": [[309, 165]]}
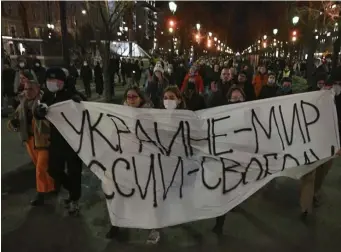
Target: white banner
{"points": [[165, 167]]}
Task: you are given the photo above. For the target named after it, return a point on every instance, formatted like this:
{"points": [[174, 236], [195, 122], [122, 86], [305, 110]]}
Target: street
{"points": [[267, 221]]}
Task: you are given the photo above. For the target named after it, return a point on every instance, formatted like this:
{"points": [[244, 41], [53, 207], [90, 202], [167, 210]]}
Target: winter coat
{"points": [[219, 96], [248, 90], [195, 102], [268, 92], [58, 144], [86, 73], [258, 82], [29, 126], [154, 90], [198, 81]]}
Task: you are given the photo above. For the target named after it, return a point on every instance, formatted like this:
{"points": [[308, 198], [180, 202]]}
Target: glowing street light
{"points": [[275, 31], [294, 39], [264, 44], [265, 37], [198, 26], [215, 39], [171, 23], [210, 34], [126, 28], [170, 29], [84, 12], [295, 20], [140, 26], [258, 41], [172, 7]]}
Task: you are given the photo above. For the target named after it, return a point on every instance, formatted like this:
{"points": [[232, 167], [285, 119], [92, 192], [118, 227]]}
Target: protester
{"points": [[134, 97], [234, 95], [220, 89], [180, 74], [285, 87], [286, 73], [270, 89], [99, 79], [193, 76], [169, 75], [172, 99], [60, 152], [246, 86], [35, 134], [156, 85], [86, 75], [73, 74], [193, 100], [260, 80]]}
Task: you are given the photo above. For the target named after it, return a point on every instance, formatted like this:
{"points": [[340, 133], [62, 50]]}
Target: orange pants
{"points": [[40, 159]]}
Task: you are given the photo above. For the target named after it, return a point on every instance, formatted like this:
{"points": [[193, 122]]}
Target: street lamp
{"points": [[210, 34], [50, 26], [171, 23], [172, 7], [275, 31], [84, 12], [294, 39], [265, 37], [295, 20], [198, 26], [170, 30], [215, 39]]}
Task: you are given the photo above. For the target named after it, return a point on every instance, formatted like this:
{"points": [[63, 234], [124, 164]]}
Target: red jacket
{"points": [[199, 83]]}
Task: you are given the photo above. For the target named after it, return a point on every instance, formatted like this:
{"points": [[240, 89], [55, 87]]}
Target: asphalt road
{"points": [[267, 221]]}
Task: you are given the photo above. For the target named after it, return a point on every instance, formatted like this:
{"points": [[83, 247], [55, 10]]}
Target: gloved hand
{"points": [[41, 110], [76, 98]]}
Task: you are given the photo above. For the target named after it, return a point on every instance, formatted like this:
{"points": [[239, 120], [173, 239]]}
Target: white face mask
{"points": [[52, 86], [21, 64], [170, 104]]}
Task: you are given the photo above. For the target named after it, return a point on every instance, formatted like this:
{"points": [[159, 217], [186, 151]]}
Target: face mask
{"points": [[21, 64], [52, 86], [286, 89], [37, 64], [85, 64], [271, 82], [170, 104]]}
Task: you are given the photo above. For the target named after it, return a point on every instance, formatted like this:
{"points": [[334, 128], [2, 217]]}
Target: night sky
{"points": [[242, 23]]}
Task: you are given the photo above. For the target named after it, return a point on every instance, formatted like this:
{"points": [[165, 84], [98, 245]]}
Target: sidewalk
{"points": [[14, 157]]}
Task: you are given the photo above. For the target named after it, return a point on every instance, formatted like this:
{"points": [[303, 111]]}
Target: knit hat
{"points": [[57, 73], [158, 67]]}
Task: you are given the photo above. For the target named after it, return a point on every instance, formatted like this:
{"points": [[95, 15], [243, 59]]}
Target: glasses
{"points": [[132, 97]]}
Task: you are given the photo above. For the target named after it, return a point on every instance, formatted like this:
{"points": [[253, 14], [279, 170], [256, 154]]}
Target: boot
{"points": [[39, 200]]}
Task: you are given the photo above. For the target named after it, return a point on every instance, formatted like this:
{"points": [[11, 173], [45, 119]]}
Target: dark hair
{"points": [[286, 79], [234, 88], [243, 73], [139, 93], [174, 89]]}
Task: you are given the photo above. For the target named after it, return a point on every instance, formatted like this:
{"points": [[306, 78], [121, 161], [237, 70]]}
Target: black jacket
{"points": [[195, 102], [58, 143], [8, 76], [218, 98], [268, 92], [248, 90]]}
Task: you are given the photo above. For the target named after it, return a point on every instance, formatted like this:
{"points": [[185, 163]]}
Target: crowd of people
{"points": [[208, 82]]}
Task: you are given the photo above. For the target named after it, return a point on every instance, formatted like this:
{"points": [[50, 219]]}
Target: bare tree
{"points": [[106, 33]]}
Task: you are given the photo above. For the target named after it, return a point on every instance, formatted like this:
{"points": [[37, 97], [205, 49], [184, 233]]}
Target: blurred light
{"points": [[316, 37], [126, 28], [294, 33], [315, 30], [171, 23], [265, 37], [141, 27], [172, 7], [210, 34], [198, 26], [162, 33], [119, 33], [328, 34], [155, 39], [275, 43], [295, 20], [170, 29], [83, 12], [275, 31], [215, 39], [306, 56], [175, 39], [120, 28], [264, 44], [333, 6], [294, 39], [258, 41]]}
